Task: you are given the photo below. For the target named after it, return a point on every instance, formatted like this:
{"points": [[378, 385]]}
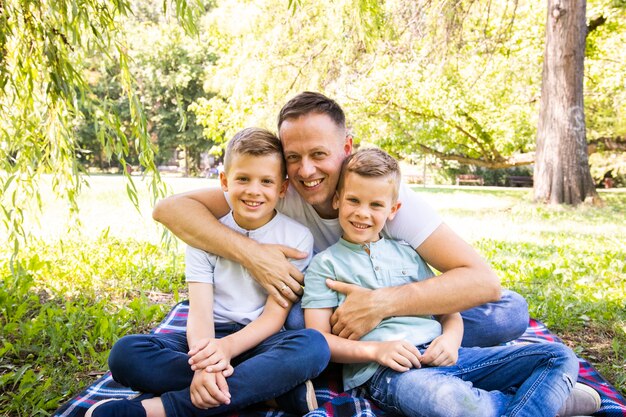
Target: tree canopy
{"points": [[46, 50], [92, 81]]}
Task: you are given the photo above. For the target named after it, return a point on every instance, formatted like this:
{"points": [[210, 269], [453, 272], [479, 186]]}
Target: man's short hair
{"points": [[256, 142], [309, 102], [372, 163]]}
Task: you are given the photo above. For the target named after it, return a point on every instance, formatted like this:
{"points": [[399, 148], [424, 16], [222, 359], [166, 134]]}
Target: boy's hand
{"points": [[398, 355], [209, 389], [210, 354], [443, 351]]}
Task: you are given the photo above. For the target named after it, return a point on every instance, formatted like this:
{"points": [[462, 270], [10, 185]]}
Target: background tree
{"points": [[44, 48], [562, 172], [459, 80], [169, 67]]}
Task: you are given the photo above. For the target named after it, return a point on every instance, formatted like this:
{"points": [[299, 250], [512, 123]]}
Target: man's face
{"points": [[314, 148]]}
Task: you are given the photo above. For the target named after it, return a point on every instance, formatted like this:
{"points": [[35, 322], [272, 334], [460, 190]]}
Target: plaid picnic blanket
{"points": [[334, 402]]}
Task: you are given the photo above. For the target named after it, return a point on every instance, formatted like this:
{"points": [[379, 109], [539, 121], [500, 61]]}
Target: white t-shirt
{"points": [[414, 222], [237, 297]]}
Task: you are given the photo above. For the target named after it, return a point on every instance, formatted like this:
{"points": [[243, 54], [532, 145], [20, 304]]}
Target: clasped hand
{"points": [[210, 354], [209, 389], [210, 359], [401, 355]]}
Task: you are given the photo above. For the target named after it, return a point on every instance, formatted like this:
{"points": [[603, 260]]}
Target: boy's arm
{"points": [[205, 390], [466, 281], [200, 325], [444, 350], [398, 355], [192, 217], [268, 323]]}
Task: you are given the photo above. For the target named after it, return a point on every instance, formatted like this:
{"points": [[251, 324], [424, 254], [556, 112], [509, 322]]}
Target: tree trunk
{"points": [[562, 172]]}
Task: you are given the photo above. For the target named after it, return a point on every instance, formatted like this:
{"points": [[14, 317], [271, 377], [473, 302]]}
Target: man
{"points": [[315, 141]]}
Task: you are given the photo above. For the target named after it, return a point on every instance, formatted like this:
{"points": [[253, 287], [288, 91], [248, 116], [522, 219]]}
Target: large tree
{"points": [[562, 172]]}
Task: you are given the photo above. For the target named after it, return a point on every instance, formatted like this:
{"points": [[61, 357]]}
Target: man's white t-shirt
{"points": [[237, 297], [413, 223]]}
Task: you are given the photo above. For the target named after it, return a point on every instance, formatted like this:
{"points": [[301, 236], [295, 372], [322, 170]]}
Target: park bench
{"points": [[519, 181], [469, 179]]}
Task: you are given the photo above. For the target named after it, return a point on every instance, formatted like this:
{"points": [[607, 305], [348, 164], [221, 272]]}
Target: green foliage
{"points": [[67, 301], [44, 93], [63, 307], [460, 80], [605, 87], [262, 62], [169, 68]]}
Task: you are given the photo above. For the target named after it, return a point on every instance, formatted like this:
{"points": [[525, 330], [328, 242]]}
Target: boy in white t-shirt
{"points": [[234, 337]]}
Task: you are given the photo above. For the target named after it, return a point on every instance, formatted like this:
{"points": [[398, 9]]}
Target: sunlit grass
{"points": [[74, 293]]}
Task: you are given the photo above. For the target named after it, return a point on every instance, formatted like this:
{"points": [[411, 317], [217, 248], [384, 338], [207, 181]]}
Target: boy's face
{"points": [[365, 204], [254, 185], [314, 148]]}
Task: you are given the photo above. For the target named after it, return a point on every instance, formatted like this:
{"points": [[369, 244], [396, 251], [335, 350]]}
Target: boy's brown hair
{"points": [[309, 102], [373, 163], [256, 142]]}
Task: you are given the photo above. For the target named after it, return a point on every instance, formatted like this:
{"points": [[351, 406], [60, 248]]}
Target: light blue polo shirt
{"points": [[388, 263]]}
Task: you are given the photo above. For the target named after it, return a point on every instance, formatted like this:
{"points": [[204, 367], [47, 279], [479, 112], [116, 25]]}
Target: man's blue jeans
{"points": [[276, 368], [487, 325], [531, 380]]}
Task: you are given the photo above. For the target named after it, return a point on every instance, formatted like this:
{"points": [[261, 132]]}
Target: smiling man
{"points": [[315, 140]]}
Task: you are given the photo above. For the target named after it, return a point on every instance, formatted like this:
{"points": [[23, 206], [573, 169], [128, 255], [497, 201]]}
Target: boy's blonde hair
{"points": [[374, 163], [256, 142]]}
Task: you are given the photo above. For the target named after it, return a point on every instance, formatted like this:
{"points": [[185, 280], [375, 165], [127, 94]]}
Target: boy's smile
{"points": [[254, 185], [365, 204]]}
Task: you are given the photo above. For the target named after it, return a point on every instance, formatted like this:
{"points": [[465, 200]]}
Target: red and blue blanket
{"points": [[333, 401]]}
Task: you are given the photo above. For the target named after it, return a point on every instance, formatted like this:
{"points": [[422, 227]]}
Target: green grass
{"points": [[72, 296]]}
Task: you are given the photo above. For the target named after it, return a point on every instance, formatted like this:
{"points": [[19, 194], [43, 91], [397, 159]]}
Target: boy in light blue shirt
{"points": [[415, 366]]}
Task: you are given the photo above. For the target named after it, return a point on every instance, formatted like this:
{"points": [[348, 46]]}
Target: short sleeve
{"points": [[415, 221], [316, 293], [199, 265], [305, 245]]}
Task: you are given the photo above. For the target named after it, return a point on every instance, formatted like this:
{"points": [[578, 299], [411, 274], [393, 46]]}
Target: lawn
{"points": [[75, 292]]}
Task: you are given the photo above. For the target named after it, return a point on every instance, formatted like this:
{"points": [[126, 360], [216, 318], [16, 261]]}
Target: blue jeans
{"points": [[276, 368], [531, 380], [487, 325]]}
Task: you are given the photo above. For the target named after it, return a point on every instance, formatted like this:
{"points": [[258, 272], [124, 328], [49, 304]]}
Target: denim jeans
{"points": [[531, 380], [157, 364], [487, 325]]}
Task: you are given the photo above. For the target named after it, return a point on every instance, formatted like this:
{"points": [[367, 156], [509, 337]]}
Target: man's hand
{"points": [[210, 354], [398, 355], [358, 314], [271, 269], [209, 389], [443, 351]]}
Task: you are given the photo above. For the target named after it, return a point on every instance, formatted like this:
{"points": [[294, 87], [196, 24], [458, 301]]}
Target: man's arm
{"points": [[193, 217], [466, 281]]}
